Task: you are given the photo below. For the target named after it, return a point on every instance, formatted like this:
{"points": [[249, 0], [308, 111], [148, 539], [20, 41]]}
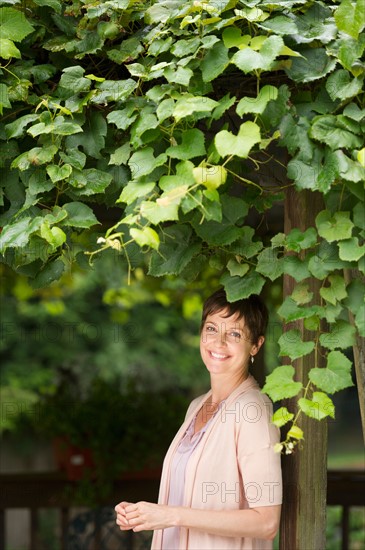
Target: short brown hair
{"points": [[251, 309]]}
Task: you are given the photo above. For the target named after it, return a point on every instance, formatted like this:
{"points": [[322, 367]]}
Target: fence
{"points": [[96, 530]]}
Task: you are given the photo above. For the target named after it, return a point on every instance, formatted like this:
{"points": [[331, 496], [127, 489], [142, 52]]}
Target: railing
{"points": [[52, 490]]}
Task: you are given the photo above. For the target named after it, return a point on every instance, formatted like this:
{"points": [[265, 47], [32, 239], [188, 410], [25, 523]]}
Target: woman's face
{"points": [[225, 345]]}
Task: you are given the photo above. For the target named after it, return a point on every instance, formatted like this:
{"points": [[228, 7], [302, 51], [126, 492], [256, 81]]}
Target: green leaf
{"points": [[35, 157], [51, 272], [340, 85], [257, 104], [240, 145], [58, 127], [92, 136], [290, 311], [146, 121], [58, 173], [352, 110], [79, 215], [301, 294], [8, 49], [355, 295], [350, 251], [165, 109], [143, 162], [350, 17], [236, 268], [166, 206], [89, 182], [17, 234], [73, 79], [75, 158], [182, 48], [292, 345], [342, 336], [55, 4], [4, 98], [215, 233], [238, 288], [186, 106], [244, 245], [175, 252], [192, 146], [122, 118], [335, 132], [314, 64], [114, 90], [316, 24], [13, 25], [334, 228], [121, 155], [215, 62], [146, 237], [336, 376], [180, 75], [281, 25], [297, 240], [224, 104], [250, 60], [319, 407], [295, 432], [336, 291], [126, 51], [325, 261], [269, 265], [305, 174], [281, 417], [53, 235], [133, 190], [210, 176], [232, 38], [296, 268], [294, 135], [280, 384]]}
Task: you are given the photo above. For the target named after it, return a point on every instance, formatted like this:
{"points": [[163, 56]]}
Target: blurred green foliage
{"points": [[91, 326]]}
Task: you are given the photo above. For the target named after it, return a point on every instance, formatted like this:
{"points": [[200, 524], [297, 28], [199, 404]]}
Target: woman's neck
{"points": [[222, 388]]}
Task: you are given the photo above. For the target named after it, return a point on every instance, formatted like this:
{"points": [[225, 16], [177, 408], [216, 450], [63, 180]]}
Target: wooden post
{"points": [[303, 521]]}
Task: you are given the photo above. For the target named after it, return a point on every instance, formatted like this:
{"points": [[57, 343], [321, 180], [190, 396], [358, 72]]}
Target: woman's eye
{"points": [[236, 335], [210, 329]]}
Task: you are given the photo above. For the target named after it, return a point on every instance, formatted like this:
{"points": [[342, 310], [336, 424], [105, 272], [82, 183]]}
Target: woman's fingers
{"points": [[121, 520]]}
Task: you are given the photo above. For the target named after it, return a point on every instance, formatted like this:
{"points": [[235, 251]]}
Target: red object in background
{"points": [[71, 459]]}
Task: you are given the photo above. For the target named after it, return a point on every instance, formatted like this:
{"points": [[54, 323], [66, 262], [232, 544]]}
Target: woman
{"points": [[221, 480]]}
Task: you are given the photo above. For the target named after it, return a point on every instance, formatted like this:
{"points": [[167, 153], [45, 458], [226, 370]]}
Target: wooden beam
{"points": [[303, 522]]}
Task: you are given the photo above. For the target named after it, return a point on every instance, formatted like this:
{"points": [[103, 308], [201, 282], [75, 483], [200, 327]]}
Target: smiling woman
{"points": [[221, 483]]}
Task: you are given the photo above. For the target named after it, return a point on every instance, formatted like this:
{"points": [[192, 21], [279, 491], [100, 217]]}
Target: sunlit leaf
{"points": [[293, 346], [336, 376], [319, 407], [240, 145], [280, 384]]}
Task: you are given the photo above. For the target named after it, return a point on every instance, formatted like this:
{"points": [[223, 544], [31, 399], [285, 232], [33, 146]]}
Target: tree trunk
{"points": [[303, 521]]}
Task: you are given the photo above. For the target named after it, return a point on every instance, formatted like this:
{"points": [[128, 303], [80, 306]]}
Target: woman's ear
{"points": [[256, 347]]}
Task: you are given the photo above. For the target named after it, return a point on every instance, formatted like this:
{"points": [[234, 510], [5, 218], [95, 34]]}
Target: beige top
{"points": [[233, 467]]}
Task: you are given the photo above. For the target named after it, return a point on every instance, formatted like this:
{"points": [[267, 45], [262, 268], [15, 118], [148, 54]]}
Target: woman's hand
{"points": [[121, 520], [143, 516]]}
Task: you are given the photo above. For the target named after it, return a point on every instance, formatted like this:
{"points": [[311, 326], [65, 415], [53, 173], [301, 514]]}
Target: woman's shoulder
{"points": [[250, 392]]}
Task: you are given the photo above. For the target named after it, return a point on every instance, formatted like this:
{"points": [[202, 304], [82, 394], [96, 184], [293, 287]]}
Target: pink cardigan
{"points": [[234, 467]]}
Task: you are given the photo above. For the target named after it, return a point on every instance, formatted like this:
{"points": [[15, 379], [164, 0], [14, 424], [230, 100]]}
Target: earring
{"points": [[252, 359]]}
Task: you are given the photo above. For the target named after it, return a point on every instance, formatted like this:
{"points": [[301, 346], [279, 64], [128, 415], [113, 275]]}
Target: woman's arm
{"points": [[260, 523]]}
